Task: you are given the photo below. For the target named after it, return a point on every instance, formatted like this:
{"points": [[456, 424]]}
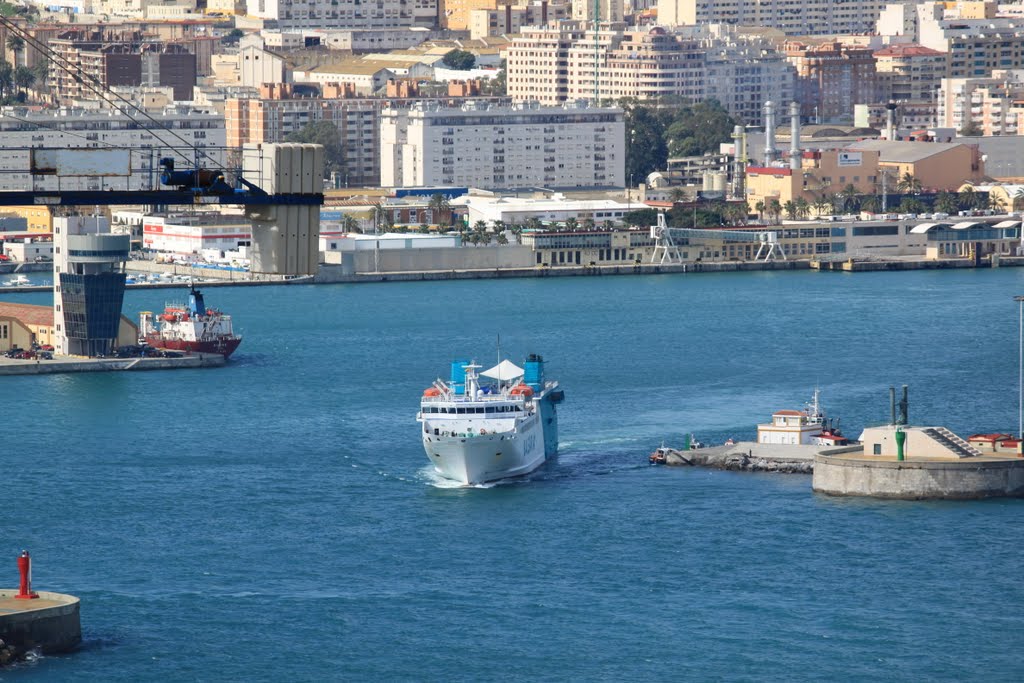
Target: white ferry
{"points": [[499, 423]]}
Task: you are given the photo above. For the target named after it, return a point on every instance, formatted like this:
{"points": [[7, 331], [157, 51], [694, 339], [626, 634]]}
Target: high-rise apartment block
{"points": [[995, 104], [831, 78], [277, 112], [512, 18], [570, 62], [792, 17], [909, 73], [502, 147]]}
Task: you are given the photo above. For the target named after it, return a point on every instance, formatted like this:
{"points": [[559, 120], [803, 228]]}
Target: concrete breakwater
{"points": [[50, 623], [747, 456], [963, 479]]}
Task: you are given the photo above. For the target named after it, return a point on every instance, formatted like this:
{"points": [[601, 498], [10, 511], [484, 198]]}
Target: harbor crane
{"points": [[666, 250]]}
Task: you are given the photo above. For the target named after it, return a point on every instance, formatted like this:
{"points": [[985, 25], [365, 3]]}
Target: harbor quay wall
{"points": [[964, 479], [330, 273], [61, 365], [54, 627]]}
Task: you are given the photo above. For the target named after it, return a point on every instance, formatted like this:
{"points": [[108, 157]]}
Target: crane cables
{"points": [[93, 84]]}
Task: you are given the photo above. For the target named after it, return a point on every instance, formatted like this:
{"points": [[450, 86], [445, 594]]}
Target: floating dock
{"points": [[67, 364]]}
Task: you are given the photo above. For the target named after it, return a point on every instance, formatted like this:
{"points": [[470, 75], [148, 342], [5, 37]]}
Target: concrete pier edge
{"points": [[51, 624]]}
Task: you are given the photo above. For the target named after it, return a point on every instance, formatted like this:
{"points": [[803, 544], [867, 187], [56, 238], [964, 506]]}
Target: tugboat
{"points": [[191, 328]]}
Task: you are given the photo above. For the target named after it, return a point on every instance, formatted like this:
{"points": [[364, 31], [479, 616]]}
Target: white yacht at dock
{"points": [[499, 423]]}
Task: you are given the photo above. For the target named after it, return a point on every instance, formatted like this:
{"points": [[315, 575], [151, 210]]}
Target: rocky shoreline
{"points": [[743, 457]]}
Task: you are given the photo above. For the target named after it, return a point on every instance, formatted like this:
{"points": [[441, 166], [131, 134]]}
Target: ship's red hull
{"points": [[225, 347]]}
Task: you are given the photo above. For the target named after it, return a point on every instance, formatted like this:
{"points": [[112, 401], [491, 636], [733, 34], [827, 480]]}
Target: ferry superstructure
{"points": [[500, 423]]}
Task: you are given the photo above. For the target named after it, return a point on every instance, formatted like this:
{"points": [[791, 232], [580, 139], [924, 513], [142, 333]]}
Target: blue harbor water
{"points": [[275, 519]]}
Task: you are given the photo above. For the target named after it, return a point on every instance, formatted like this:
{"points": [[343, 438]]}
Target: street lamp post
{"points": [[1020, 375]]}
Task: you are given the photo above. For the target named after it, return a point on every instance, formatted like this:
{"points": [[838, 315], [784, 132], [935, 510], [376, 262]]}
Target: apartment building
{"points": [[909, 73], [146, 143], [792, 17], [502, 147], [606, 10], [277, 112], [568, 62], [132, 58], [975, 36], [512, 18], [994, 104], [349, 14], [831, 78]]}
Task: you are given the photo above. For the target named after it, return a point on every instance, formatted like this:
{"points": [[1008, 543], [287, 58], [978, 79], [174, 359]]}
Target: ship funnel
{"points": [[533, 372], [794, 137], [769, 132]]}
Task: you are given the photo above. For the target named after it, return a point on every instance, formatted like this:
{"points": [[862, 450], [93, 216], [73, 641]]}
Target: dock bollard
{"points": [[25, 568]]}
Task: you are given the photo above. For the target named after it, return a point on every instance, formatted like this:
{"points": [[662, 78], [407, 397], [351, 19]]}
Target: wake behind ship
{"points": [[500, 423]]}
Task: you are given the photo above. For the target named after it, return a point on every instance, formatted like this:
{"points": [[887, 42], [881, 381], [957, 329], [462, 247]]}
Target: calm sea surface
{"points": [[274, 520]]}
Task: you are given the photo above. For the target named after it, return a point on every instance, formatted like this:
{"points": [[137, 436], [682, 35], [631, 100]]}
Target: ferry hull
{"points": [[481, 459], [224, 347]]}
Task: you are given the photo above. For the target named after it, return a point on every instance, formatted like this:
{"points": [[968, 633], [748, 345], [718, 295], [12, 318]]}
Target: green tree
{"points": [[17, 46], [23, 79], [790, 208], [699, 129], [641, 218], [1018, 199], [820, 204], [969, 199], [851, 198], [423, 229], [350, 224], [909, 184], [971, 129], [571, 225], [6, 78], [587, 225], [534, 223], [870, 203], [41, 69], [441, 209], [945, 202], [994, 202], [911, 205], [803, 208], [646, 150], [502, 240], [498, 85], [322, 133], [773, 209], [232, 36], [760, 208], [460, 60]]}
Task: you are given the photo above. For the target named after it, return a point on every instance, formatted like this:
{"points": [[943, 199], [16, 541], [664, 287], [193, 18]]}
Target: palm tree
{"points": [[441, 209], [945, 202], [820, 204], [759, 207], [499, 226], [6, 78], [1018, 198], [16, 45], [774, 209], [502, 240], [587, 225], [803, 208], [534, 223], [851, 198], [870, 203], [909, 184], [571, 224], [790, 208], [968, 198], [678, 194], [995, 203]]}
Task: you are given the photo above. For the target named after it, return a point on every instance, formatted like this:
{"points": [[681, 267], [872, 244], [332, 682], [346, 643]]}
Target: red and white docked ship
{"points": [[191, 328]]}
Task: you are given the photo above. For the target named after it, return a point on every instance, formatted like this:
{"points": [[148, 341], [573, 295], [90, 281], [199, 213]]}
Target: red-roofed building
{"points": [[23, 324], [995, 443], [909, 73]]}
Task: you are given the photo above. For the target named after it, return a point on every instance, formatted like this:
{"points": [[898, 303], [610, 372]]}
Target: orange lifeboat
{"points": [[521, 390], [432, 392]]}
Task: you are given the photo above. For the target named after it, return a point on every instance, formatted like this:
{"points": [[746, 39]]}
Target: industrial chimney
{"points": [[794, 137], [769, 132], [739, 162], [890, 121]]}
